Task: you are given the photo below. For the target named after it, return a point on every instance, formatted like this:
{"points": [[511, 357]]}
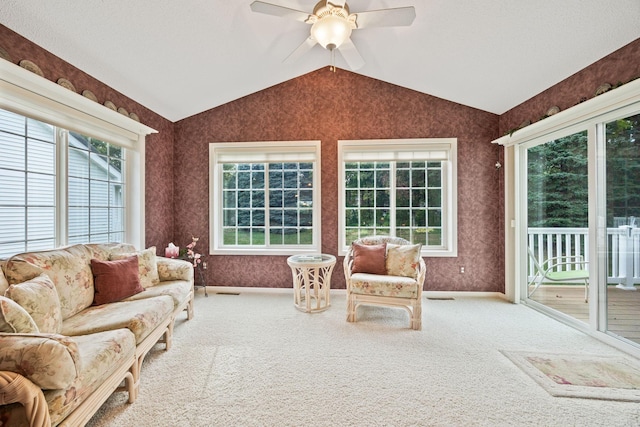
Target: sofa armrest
{"points": [[14, 388], [174, 269], [50, 361]]}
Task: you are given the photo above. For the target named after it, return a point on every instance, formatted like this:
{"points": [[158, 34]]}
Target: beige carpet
{"points": [[254, 360], [582, 375]]}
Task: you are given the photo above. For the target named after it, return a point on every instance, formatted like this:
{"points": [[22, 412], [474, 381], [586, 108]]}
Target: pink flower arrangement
{"points": [[191, 254]]}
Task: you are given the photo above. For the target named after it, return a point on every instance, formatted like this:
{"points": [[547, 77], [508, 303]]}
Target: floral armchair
{"points": [[385, 271]]}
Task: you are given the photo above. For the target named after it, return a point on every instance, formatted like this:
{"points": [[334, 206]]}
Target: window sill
{"points": [[263, 252]]}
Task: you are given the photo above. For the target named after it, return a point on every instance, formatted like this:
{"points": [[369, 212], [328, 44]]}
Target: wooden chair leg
{"points": [[417, 317], [351, 309]]}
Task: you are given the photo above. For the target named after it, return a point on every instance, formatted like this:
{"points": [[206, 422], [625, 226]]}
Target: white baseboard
{"points": [[426, 294], [247, 290], [463, 294]]}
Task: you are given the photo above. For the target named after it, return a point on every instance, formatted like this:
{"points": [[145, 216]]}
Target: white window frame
{"points": [[258, 152], [33, 96], [403, 150]]}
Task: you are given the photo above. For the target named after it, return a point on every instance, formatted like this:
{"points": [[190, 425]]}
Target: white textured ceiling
{"points": [[179, 58]]}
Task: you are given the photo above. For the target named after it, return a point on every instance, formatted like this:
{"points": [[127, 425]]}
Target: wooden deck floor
{"points": [[623, 314]]}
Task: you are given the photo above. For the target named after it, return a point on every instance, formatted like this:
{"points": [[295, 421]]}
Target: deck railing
{"points": [[623, 245]]}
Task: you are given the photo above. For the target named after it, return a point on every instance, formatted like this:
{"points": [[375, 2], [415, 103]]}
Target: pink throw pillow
{"points": [[115, 280], [369, 258]]}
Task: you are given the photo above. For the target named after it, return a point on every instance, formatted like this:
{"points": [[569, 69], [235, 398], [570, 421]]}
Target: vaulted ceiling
{"points": [[179, 58]]}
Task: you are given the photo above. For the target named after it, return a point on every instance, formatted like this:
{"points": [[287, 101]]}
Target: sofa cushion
{"points": [[3, 280], [403, 260], [178, 290], [39, 298], [386, 286], [50, 361], [14, 318], [147, 265], [101, 354], [115, 280], [103, 251], [369, 258], [69, 269], [141, 317]]}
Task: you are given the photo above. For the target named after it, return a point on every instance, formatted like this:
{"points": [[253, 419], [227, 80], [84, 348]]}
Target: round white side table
{"points": [[311, 281]]}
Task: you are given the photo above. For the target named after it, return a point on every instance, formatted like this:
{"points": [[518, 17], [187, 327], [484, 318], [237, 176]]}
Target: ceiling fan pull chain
{"points": [[332, 67]]}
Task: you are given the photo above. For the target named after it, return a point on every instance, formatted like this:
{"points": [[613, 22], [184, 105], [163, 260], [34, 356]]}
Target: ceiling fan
{"points": [[332, 23]]}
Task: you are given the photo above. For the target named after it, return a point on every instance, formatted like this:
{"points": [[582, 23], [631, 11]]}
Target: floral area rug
{"points": [[582, 375]]}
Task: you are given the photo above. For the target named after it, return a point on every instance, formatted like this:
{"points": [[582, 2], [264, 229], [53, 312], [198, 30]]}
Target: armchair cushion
{"points": [[14, 318], [384, 286], [148, 267], [403, 260], [39, 298], [115, 280], [369, 258]]}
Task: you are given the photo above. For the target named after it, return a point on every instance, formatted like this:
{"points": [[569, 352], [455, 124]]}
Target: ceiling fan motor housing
{"points": [[332, 25]]}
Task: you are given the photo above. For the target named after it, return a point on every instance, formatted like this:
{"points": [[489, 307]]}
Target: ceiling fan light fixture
{"points": [[331, 31], [332, 23]]}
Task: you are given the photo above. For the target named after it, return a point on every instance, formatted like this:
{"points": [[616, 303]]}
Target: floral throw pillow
{"points": [[14, 318], [39, 298], [147, 266], [403, 260]]}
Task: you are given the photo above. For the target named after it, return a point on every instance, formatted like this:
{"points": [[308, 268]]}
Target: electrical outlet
{"points": [[461, 270]]}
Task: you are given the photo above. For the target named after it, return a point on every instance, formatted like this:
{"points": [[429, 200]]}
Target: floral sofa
{"points": [[68, 339]]}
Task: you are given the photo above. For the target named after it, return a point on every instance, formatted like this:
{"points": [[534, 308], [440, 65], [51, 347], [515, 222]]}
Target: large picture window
{"points": [[402, 188], [41, 164], [71, 170], [265, 198]]}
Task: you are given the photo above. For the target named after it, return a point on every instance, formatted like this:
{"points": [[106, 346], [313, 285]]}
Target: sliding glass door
{"points": [[564, 184], [622, 152], [572, 216], [557, 224]]}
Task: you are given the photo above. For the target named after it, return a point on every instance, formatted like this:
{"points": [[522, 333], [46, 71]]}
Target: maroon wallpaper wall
{"points": [[620, 66], [159, 153], [328, 107]]}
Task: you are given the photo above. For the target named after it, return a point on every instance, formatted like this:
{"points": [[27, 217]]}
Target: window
{"points": [[95, 190], [28, 176], [60, 181], [30, 206], [265, 198], [402, 188]]}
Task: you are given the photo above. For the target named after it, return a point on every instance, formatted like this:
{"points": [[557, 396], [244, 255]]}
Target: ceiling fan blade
{"points": [[396, 17], [351, 55], [300, 50], [281, 11]]}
